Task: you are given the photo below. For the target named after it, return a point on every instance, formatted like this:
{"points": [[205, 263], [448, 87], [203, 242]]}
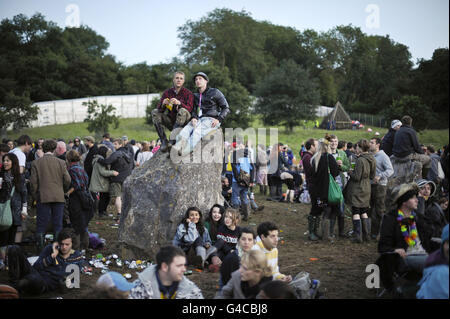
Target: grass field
{"points": [[136, 128]]}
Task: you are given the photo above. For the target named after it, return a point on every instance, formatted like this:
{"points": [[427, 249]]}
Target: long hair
{"points": [[213, 224], [322, 148], [200, 227], [15, 169]]}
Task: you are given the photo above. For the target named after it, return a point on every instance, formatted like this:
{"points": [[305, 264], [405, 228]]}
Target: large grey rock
{"points": [[156, 195]]}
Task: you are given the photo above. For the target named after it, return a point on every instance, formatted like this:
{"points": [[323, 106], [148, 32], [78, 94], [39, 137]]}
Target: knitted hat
{"points": [[395, 123], [203, 75], [423, 182]]}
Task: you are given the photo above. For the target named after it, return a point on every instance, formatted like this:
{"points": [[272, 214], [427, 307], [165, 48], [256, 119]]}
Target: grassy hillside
{"points": [[137, 129]]}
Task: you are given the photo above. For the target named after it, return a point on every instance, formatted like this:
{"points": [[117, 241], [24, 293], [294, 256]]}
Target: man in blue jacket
{"points": [[210, 110], [49, 272], [240, 185]]}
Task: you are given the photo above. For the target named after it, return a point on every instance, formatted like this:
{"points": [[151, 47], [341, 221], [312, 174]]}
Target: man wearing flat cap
{"points": [[210, 110]]}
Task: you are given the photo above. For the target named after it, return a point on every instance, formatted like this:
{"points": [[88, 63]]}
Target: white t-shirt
{"points": [[20, 155]]}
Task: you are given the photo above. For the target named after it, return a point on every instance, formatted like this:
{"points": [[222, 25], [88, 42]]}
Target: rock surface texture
{"points": [[156, 196]]}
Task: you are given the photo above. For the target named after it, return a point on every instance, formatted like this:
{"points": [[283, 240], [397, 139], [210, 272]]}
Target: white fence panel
{"points": [[73, 111]]}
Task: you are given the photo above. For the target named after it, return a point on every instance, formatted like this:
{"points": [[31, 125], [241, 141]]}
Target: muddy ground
{"points": [[340, 266]]}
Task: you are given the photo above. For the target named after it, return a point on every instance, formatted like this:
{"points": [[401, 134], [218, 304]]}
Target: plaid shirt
{"points": [[184, 96], [80, 180]]}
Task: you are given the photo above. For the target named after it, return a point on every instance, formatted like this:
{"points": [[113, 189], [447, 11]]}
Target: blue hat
{"points": [[116, 280]]}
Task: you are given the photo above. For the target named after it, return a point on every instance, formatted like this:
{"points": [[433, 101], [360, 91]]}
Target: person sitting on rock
{"points": [[192, 235], [166, 279], [406, 146], [178, 101], [210, 110]]}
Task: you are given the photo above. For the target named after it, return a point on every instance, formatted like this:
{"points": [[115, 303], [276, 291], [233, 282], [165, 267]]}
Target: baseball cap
{"points": [[124, 138], [116, 280]]}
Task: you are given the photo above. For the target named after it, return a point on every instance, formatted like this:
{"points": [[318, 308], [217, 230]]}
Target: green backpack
{"points": [[6, 213], [335, 195]]}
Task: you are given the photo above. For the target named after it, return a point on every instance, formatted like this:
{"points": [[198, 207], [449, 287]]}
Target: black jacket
{"points": [[391, 237], [120, 161], [406, 142], [213, 104], [388, 142], [320, 179], [88, 167]]}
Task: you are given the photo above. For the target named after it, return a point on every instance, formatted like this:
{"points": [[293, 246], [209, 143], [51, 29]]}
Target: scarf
{"points": [[408, 228]]}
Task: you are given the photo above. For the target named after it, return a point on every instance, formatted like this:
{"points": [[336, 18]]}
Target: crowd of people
{"points": [[69, 182]]}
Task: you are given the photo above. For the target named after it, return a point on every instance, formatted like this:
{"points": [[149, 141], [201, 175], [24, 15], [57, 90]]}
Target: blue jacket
{"points": [[186, 237], [242, 161], [53, 270]]}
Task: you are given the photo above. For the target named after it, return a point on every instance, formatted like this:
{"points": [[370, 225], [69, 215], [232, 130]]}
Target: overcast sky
{"points": [[146, 30]]}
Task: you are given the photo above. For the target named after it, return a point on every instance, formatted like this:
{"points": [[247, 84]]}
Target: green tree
{"points": [[431, 82], [100, 117], [413, 106], [16, 112], [148, 111], [287, 96]]}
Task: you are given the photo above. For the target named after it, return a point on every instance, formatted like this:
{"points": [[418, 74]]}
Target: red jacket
{"points": [[184, 96]]}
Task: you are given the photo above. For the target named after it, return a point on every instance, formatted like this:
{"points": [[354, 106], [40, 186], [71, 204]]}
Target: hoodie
{"points": [[365, 170]]}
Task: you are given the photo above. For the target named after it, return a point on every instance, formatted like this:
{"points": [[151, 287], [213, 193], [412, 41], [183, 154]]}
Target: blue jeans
{"points": [[193, 135], [239, 195], [47, 212]]}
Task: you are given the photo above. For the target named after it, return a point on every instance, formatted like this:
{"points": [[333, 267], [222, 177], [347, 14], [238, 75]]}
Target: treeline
{"points": [[289, 71]]}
